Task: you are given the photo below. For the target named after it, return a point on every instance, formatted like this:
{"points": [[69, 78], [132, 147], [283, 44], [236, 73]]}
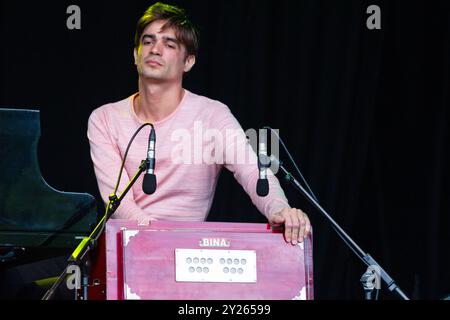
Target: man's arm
{"points": [[274, 206], [107, 161]]}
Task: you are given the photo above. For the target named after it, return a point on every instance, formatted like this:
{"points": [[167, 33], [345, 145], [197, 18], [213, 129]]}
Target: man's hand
{"points": [[296, 224]]}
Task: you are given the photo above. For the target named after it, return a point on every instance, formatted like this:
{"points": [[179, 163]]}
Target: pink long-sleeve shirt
{"points": [[192, 145]]}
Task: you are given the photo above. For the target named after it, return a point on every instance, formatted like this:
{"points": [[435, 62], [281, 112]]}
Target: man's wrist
{"points": [[277, 210]]}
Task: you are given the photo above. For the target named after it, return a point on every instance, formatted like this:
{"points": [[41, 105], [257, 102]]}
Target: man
{"points": [[166, 44]]}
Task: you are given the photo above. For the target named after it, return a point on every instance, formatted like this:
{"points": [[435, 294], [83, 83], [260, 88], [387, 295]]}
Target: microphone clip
{"points": [[264, 161]]}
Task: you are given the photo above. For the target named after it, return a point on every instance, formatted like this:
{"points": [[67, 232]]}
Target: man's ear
{"points": [[135, 56], [189, 63]]}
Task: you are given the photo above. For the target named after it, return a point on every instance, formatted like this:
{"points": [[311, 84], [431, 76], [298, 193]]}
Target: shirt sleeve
{"points": [[240, 158], [107, 160]]}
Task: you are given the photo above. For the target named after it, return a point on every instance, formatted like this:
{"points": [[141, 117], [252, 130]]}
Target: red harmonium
{"points": [[205, 261]]}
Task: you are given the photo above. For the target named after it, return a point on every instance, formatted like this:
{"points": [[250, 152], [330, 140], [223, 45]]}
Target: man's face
{"points": [[160, 55]]}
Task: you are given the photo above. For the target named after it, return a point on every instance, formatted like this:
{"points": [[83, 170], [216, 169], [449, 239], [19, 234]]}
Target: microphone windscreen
{"points": [[262, 187], [149, 183]]}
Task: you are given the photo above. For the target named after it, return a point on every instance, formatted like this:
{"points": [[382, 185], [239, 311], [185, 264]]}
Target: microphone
{"points": [[149, 182], [262, 186]]}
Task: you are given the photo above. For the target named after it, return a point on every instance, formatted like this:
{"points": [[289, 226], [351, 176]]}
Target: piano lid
{"points": [[33, 214]]}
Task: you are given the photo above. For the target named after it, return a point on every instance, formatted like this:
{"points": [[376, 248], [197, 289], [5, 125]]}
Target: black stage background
{"points": [[364, 112]]}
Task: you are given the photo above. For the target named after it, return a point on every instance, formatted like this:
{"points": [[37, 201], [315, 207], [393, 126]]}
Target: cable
{"points": [[121, 168], [293, 162], [91, 240], [311, 192], [126, 154]]}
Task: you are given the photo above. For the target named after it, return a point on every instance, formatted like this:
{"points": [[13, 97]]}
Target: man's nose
{"points": [[156, 48]]}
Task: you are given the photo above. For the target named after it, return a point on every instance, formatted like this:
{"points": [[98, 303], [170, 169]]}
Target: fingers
{"points": [[302, 221], [296, 224], [300, 226], [288, 226], [307, 226], [291, 225], [277, 219]]}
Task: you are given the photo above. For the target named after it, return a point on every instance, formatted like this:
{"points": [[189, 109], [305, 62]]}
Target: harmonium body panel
{"points": [[205, 261]]}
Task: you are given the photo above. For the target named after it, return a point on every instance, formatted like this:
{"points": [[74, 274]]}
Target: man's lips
{"points": [[153, 62]]}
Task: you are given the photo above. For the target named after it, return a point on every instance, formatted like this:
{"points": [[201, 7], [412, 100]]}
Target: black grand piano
{"points": [[36, 221]]}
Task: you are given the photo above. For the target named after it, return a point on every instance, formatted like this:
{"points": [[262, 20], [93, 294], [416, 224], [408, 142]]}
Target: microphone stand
{"points": [[80, 257], [374, 270]]}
